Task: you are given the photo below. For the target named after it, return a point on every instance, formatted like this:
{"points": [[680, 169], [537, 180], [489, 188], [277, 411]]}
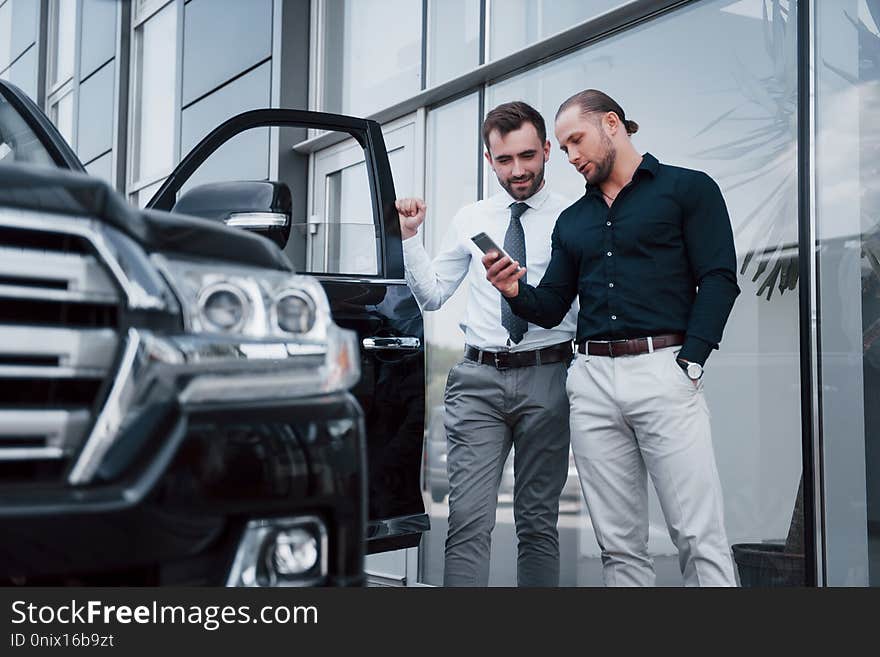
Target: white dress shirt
{"points": [[433, 282]]}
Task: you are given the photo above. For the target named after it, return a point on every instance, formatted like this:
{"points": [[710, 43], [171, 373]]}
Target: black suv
{"points": [[177, 404]]}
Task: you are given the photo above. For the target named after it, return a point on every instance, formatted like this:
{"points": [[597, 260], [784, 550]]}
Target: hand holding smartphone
{"points": [[486, 244]]}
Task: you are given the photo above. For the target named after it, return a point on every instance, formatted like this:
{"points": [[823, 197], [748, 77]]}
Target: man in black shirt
{"points": [[649, 252]]}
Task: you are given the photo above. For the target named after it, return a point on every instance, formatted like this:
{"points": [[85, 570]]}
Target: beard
{"points": [[536, 180], [603, 168]]}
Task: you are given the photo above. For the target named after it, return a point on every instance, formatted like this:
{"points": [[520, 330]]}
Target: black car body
{"points": [[177, 405]]}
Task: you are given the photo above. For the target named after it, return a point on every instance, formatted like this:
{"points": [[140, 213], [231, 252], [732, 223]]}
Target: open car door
{"points": [[344, 230]]}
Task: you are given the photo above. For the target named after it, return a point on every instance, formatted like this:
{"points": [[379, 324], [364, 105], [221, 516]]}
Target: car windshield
{"points": [[18, 143]]}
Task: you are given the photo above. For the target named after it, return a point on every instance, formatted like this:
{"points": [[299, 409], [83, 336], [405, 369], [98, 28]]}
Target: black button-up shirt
{"points": [[660, 260]]}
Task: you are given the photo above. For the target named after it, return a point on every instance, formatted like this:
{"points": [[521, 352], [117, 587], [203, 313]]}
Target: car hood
{"points": [[71, 193]]}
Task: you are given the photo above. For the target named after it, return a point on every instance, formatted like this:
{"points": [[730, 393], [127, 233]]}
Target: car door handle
{"points": [[382, 343]]}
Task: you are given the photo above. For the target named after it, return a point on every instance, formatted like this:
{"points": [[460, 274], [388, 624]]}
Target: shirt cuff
{"points": [[696, 350], [411, 242], [516, 301]]}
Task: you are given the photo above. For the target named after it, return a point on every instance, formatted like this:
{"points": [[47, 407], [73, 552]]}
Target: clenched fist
{"points": [[412, 214]]}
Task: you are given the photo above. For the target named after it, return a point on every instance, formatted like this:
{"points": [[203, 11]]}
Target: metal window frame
{"points": [[54, 87], [55, 91], [133, 184], [810, 342]]}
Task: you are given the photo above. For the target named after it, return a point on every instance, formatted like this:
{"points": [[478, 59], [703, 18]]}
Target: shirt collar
{"points": [[648, 166], [535, 201]]}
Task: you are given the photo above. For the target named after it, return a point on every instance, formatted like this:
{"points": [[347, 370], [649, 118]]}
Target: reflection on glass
{"points": [[718, 94], [337, 247], [372, 54], [453, 38], [18, 143], [64, 30], [156, 79], [348, 225], [515, 24], [848, 230]]}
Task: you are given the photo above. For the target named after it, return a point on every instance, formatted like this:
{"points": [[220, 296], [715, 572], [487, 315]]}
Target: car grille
{"points": [[59, 312]]}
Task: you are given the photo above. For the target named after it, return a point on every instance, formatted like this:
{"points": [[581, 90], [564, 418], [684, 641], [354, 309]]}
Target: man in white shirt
{"points": [[509, 389]]}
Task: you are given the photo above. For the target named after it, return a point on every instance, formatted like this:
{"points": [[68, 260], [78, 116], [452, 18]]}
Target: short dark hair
{"points": [[508, 117], [593, 101]]}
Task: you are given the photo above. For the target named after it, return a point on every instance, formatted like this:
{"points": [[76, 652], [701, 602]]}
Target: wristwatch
{"points": [[693, 370]]}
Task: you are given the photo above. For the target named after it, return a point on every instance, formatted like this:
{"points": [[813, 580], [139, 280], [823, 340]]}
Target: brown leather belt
{"points": [[503, 360], [634, 347]]}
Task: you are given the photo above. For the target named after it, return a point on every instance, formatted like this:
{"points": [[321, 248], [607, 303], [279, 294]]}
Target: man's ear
{"points": [[547, 150], [488, 157], [611, 122]]}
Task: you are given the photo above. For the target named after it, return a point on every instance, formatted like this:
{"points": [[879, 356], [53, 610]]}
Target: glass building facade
{"points": [[775, 99]]}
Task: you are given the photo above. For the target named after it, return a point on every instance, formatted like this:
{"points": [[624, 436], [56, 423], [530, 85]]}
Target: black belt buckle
{"points": [[498, 361]]}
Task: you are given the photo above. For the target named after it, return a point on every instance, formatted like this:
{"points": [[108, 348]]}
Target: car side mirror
{"points": [[262, 207]]}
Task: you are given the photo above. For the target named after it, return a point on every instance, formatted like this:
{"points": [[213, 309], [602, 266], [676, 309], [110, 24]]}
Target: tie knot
{"points": [[517, 210]]}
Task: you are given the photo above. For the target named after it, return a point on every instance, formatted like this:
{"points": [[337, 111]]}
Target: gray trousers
{"points": [[487, 411]]}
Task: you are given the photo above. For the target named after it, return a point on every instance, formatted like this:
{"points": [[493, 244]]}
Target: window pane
{"points": [[515, 24], [24, 25], [141, 197], [18, 29], [98, 42], [143, 8], [453, 38], [245, 156], [154, 99], [718, 94], [348, 228], [63, 117], [102, 167], [23, 72], [223, 38], [65, 39], [362, 71], [848, 229], [5, 35], [95, 122], [452, 159], [340, 233]]}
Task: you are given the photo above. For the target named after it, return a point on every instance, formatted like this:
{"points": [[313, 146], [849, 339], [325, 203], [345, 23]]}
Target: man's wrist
{"points": [[511, 292], [694, 371], [695, 350]]}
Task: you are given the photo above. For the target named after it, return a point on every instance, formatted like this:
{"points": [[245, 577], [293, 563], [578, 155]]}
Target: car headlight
{"points": [[255, 333], [243, 301], [224, 307], [294, 311]]}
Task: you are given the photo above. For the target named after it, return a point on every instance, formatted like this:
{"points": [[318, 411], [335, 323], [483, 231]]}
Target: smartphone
{"points": [[486, 244]]}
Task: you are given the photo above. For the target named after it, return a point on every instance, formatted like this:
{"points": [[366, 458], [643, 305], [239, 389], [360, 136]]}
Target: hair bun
{"points": [[631, 127]]}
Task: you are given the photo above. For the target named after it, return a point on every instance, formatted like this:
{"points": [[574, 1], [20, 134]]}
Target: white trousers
{"points": [[638, 415]]}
